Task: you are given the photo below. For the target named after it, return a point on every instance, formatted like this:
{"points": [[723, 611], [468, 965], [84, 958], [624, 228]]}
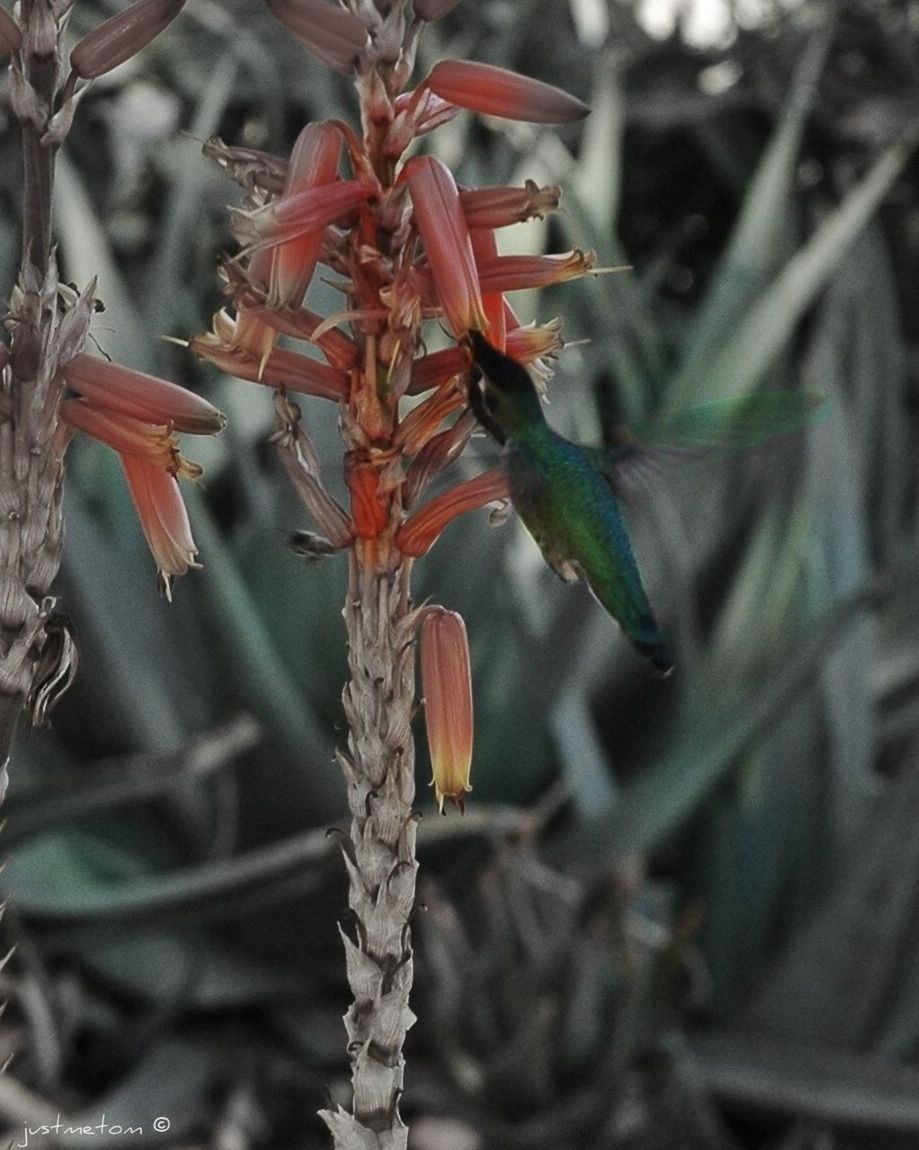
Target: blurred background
{"points": [[678, 914]]}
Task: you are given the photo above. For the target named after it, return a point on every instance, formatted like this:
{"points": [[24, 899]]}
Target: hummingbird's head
{"points": [[503, 396]]}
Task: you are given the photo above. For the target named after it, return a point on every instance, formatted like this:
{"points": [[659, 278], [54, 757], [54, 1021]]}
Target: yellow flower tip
{"points": [[447, 683]]}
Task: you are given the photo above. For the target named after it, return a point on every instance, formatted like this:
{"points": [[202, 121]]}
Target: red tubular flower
{"points": [[502, 206], [313, 164], [442, 226], [298, 215], [498, 92], [163, 518], [122, 36], [300, 323], [446, 680], [143, 396], [421, 531], [437, 368], [130, 436], [281, 368], [520, 273], [334, 35], [485, 249]]}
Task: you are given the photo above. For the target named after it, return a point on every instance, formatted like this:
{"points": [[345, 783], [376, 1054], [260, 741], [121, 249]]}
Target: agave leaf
{"points": [[187, 968], [59, 880], [664, 797], [832, 982], [171, 1083], [756, 242], [768, 324], [810, 1081]]}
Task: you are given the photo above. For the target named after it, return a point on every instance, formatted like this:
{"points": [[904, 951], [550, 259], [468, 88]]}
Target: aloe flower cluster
{"points": [[411, 252], [408, 248]]}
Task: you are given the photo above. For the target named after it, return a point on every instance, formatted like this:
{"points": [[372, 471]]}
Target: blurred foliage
{"points": [[678, 914]]}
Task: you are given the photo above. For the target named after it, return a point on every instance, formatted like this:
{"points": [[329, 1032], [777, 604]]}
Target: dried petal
{"points": [[144, 396], [446, 680], [10, 34], [300, 461], [334, 35], [421, 531], [122, 36], [163, 518], [437, 455], [532, 342], [497, 92], [442, 225]]}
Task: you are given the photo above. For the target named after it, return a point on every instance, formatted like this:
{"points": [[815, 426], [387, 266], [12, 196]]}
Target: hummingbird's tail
{"points": [[652, 643]]}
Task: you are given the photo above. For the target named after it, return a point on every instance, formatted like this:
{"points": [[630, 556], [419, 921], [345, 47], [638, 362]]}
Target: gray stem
{"points": [[380, 854]]}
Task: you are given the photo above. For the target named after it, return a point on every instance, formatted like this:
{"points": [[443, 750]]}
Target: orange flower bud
{"points": [[498, 92], [534, 341], [313, 163], [122, 36], [446, 680], [440, 220]]}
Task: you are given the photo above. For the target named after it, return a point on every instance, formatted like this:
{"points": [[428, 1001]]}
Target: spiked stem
{"points": [[380, 851], [31, 540]]}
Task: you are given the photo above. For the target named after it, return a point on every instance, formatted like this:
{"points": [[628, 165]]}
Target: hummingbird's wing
{"points": [[640, 457]]}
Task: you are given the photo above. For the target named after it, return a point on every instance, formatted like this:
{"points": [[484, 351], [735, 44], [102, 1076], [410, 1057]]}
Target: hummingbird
{"points": [[565, 497]]}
